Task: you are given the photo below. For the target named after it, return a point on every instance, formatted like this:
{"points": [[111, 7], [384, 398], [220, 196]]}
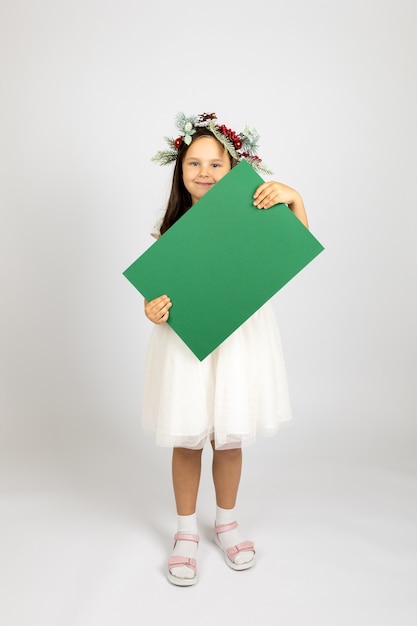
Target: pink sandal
{"points": [[178, 561], [230, 553]]}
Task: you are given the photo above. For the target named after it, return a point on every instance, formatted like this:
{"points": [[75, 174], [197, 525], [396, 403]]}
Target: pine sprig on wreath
{"points": [[240, 146], [249, 138], [257, 164], [186, 126], [165, 157], [223, 140]]}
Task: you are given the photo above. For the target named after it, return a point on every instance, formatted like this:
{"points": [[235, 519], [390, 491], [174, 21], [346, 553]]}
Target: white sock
{"points": [[186, 524], [231, 537]]}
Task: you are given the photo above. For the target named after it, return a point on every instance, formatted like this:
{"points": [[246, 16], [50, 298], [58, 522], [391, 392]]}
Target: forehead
{"points": [[206, 147]]}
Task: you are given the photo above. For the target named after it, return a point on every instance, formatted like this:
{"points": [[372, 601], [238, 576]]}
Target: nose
{"points": [[203, 171]]}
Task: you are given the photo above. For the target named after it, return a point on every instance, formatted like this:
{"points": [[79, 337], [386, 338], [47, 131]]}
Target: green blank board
{"points": [[222, 260]]}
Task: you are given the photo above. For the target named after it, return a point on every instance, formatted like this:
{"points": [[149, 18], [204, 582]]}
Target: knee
{"points": [[187, 454], [228, 456]]}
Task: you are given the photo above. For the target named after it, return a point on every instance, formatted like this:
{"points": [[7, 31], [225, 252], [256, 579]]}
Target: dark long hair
{"points": [[179, 200]]}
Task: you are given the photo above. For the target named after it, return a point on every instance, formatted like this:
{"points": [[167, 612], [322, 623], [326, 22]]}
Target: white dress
{"points": [[238, 392]]}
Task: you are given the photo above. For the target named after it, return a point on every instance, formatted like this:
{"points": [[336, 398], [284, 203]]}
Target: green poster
{"points": [[223, 260]]}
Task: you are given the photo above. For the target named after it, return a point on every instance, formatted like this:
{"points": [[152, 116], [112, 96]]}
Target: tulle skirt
{"points": [[238, 392]]}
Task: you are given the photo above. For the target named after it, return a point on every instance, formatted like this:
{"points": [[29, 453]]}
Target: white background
{"points": [[88, 90]]}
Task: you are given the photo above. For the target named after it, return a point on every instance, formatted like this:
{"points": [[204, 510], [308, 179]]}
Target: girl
{"points": [[240, 389]]}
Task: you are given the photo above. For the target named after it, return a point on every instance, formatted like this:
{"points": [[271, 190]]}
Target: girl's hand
{"points": [[271, 193], [157, 310]]}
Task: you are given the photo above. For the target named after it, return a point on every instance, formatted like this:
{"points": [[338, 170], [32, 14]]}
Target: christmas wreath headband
{"points": [[240, 146]]}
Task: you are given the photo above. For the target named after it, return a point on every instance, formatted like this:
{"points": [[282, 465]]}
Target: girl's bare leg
{"points": [[227, 469], [186, 472]]}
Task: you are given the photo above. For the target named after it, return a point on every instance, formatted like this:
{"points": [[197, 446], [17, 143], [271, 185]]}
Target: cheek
{"points": [[186, 178], [220, 174]]}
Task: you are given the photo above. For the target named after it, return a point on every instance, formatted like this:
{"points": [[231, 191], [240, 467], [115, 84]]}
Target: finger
{"points": [[159, 311], [259, 201], [274, 197], [162, 318], [260, 190], [160, 300], [265, 202], [160, 306], [158, 303], [266, 196]]}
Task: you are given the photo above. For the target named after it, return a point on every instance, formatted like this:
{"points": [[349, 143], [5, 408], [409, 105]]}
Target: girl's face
{"points": [[206, 162]]}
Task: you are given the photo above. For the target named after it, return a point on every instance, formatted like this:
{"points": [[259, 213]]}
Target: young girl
{"points": [[238, 391]]}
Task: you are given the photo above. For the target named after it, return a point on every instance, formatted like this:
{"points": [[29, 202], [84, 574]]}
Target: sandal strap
{"points": [[225, 527], [177, 561], [245, 546], [186, 537]]}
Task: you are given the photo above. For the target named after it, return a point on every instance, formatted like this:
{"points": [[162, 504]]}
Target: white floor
{"points": [[85, 533]]}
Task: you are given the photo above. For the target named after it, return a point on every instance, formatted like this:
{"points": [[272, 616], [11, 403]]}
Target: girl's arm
{"points": [[271, 193], [157, 310]]}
